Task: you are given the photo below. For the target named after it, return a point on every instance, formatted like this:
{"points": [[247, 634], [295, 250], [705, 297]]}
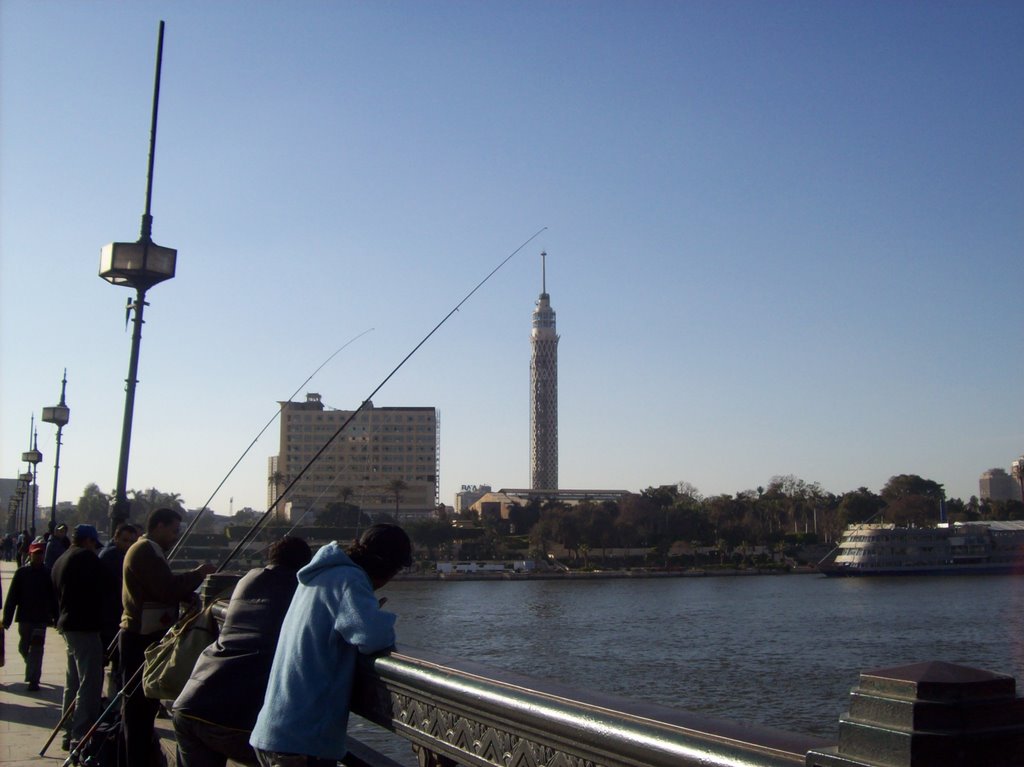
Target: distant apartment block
{"points": [[997, 485], [383, 453]]}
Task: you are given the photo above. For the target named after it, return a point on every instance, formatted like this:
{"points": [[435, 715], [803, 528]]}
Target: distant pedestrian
{"points": [[57, 545], [150, 594], [32, 604], [81, 583], [21, 552], [333, 618]]}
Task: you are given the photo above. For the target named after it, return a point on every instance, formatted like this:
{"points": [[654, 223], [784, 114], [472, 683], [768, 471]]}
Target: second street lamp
{"points": [[24, 487], [139, 265], [58, 415], [32, 458]]}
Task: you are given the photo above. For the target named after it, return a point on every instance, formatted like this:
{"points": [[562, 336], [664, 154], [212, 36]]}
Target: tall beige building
{"points": [[383, 452]]}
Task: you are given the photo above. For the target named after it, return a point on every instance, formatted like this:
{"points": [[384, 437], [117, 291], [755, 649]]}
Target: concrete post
{"points": [[929, 715]]}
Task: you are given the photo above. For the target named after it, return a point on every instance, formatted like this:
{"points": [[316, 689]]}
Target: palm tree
{"points": [[395, 489]]}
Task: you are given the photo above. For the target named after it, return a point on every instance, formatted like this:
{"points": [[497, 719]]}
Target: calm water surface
{"points": [[781, 651]]}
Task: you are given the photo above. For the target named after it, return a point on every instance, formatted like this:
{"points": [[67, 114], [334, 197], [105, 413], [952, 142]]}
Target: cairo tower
{"points": [[544, 392]]}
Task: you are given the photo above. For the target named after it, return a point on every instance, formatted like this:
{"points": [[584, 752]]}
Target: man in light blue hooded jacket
{"points": [[333, 617]]}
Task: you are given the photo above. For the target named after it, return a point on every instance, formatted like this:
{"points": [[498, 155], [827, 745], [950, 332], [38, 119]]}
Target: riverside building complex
{"points": [[386, 459]]}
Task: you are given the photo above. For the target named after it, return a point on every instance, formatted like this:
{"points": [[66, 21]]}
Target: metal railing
{"points": [[456, 712]]}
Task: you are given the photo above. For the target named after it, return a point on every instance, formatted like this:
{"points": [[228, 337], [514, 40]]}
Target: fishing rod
{"points": [[177, 544], [205, 506], [260, 522], [302, 516], [254, 529]]}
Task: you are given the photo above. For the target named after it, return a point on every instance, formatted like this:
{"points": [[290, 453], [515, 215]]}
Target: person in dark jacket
{"points": [[57, 545], [82, 584], [215, 713], [32, 603], [112, 557]]}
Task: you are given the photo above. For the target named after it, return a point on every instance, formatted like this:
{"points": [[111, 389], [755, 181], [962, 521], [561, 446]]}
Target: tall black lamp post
{"points": [[24, 484], [32, 458], [139, 265], [58, 415]]}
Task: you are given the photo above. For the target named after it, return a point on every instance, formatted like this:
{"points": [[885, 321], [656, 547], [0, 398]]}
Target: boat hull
{"points": [[888, 572]]}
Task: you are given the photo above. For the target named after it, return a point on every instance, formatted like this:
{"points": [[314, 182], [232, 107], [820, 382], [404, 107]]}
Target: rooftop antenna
{"points": [[543, 272]]}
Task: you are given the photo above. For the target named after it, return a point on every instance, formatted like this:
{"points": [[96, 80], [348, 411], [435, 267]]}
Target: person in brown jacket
{"points": [[150, 594]]}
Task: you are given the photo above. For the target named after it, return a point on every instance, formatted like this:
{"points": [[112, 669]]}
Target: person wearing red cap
{"points": [[32, 603]]}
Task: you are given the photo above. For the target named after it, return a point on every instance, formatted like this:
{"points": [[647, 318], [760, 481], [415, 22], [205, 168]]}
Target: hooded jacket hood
{"points": [[329, 556]]}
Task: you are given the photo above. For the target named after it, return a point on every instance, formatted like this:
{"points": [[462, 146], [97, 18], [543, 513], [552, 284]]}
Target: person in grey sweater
{"points": [[215, 712]]}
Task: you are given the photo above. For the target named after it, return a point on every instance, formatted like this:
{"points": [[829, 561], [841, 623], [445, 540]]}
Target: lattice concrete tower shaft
{"points": [[544, 391]]}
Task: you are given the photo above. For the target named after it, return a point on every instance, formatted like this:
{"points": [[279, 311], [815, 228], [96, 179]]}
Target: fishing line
{"points": [[254, 529], [205, 506], [259, 522], [177, 544]]}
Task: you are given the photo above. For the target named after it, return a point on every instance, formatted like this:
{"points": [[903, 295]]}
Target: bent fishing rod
{"points": [[205, 506], [177, 544], [254, 530], [136, 678]]}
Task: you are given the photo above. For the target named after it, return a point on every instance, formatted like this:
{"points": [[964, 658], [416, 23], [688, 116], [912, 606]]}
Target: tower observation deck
{"points": [[544, 392]]}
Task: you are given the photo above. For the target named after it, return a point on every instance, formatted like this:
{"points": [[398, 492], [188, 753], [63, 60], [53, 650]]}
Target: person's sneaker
{"points": [[32, 687], [65, 744]]}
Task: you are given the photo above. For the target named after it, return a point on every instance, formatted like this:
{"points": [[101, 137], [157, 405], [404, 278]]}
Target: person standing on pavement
{"points": [[82, 583], [215, 712], [32, 603], [57, 545], [150, 594], [112, 558], [333, 618]]}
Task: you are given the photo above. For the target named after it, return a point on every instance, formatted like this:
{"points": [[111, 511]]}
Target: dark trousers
{"points": [[137, 711], [205, 744]]}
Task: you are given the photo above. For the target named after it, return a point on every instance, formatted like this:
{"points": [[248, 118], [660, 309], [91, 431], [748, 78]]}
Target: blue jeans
{"points": [[31, 638], [84, 681]]}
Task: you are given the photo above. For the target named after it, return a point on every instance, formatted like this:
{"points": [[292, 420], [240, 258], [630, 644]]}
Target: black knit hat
{"points": [[383, 550]]}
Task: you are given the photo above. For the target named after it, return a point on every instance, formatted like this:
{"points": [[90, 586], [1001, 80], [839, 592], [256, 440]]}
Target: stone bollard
{"points": [[929, 715]]}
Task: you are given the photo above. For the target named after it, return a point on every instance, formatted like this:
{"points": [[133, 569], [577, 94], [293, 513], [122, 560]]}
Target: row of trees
{"points": [[655, 518], [788, 509]]}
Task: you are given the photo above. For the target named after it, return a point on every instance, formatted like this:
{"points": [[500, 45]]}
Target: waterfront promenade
{"points": [[26, 718]]}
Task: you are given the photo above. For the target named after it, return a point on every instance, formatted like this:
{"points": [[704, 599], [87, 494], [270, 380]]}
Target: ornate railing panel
{"points": [[464, 713]]}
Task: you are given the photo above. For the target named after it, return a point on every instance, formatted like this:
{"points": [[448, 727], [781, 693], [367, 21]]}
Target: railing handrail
{"points": [[409, 691]]}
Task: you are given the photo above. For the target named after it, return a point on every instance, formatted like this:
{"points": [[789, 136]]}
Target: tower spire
{"points": [[544, 391]]}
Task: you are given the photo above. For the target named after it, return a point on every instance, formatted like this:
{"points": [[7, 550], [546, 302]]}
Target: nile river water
{"points": [[782, 651]]}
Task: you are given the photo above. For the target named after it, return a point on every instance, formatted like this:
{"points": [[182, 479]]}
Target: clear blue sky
{"points": [[783, 237]]}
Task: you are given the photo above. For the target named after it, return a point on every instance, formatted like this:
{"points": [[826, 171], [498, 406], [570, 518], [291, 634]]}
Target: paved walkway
{"points": [[27, 718]]}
